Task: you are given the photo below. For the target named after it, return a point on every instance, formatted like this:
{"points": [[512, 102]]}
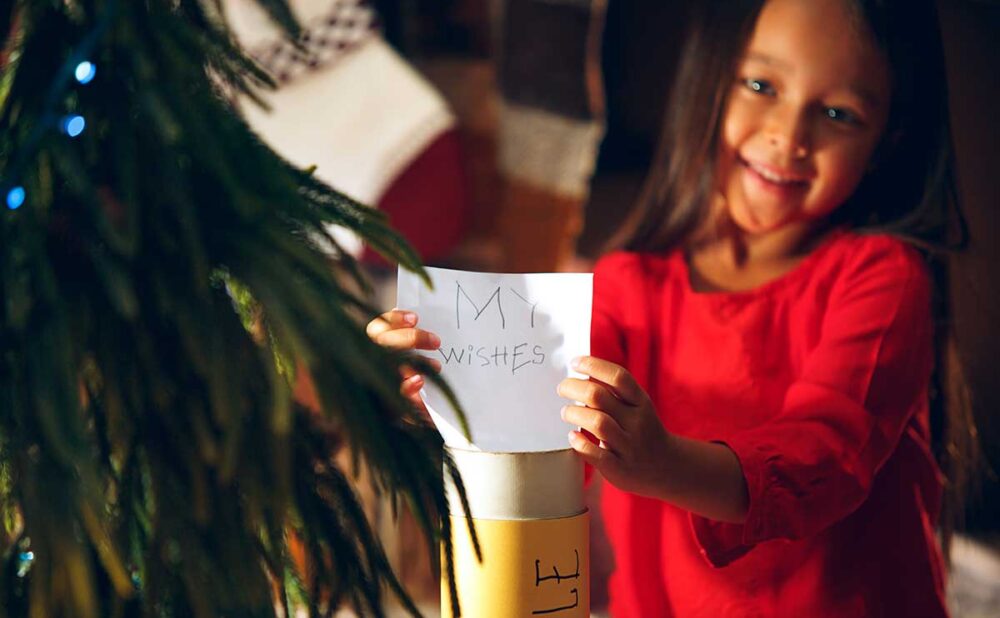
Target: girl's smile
{"points": [[807, 109], [775, 175], [769, 188]]}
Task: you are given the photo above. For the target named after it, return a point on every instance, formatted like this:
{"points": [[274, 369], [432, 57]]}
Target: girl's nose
{"points": [[787, 131]]}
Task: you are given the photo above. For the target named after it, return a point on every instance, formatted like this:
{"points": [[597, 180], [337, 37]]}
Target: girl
{"points": [[763, 348]]}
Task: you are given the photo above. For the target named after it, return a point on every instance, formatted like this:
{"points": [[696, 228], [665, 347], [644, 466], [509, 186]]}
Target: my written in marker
{"points": [[494, 298], [514, 356]]}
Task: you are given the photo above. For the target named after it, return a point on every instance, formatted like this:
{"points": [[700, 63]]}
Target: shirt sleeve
{"points": [[814, 463]]}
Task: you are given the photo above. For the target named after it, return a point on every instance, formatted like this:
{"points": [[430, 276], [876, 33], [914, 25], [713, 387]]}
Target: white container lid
{"points": [[536, 485]]}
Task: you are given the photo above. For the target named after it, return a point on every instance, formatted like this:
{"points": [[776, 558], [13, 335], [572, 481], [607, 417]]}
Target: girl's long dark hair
{"points": [[909, 193], [673, 200]]}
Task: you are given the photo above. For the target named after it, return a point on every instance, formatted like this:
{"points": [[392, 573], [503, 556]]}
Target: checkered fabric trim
{"points": [[324, 40]]}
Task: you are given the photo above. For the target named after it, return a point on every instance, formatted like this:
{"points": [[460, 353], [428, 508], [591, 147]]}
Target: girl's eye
{"points": [[841, 115], [759, 85]]}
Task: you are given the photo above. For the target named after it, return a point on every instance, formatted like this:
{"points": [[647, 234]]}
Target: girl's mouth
{"points": [[769, 188], [775, 177]]}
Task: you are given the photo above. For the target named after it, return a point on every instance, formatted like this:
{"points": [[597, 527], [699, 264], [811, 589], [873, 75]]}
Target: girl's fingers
{"points": [[591, 394], [620, 381], [601, 425], [391, 320], [596, 456], [411, 386], [408, 339], [411, 391]]}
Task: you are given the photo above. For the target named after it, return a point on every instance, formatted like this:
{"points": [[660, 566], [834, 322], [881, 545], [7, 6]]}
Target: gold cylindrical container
{"points": [[533, 529]]}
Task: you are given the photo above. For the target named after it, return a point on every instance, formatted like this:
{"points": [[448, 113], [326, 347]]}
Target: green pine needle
{"points": [[159, 287]]}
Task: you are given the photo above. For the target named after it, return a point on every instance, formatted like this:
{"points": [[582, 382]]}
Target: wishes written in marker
{"points": [[512, 356]]}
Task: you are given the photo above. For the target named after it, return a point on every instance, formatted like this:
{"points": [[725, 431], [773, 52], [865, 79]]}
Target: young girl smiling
{"points": [[763, 348]]}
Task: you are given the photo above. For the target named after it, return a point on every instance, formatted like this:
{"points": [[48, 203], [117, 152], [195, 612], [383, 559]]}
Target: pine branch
{"points": [[151, 458]]}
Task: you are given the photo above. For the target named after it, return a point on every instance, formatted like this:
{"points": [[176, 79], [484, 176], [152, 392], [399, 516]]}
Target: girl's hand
{"points": [[397, 329], [634, 445]]}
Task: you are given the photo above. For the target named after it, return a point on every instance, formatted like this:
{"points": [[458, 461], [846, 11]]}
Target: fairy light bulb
{"points": [[85, 72], [73, 125], [15, 197]]}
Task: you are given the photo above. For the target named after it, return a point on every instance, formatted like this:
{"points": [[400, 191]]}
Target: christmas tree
{"points": [[160, 287]]}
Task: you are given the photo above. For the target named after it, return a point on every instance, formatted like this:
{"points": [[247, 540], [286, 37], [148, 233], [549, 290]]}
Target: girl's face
{"points": [[808, 107]]}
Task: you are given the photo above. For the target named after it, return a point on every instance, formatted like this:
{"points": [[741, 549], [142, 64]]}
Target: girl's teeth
{"points": [[772, 176]]}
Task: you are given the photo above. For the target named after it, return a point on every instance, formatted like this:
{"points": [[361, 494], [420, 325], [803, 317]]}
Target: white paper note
{"points": [[506, 343]]}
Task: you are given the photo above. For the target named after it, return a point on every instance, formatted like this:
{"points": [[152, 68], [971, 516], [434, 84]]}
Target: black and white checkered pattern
{"points": [[324, 40]]}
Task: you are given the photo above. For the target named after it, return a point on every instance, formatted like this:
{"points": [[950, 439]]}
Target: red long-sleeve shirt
{"points": [[818, 381]]}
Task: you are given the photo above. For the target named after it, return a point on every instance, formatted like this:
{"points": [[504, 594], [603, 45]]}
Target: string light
{"points": [[25, 559], [85, 72], [73, 125], [15, 197]]}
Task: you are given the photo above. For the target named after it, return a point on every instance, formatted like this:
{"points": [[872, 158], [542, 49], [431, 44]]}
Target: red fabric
{"points": [[428, 202], [818, 382]]}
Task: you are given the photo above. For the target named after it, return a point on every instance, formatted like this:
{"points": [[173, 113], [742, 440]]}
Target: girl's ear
{"points": [[884, 149]]}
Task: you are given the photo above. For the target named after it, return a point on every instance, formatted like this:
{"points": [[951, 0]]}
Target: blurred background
{"points": [[513, 136]]}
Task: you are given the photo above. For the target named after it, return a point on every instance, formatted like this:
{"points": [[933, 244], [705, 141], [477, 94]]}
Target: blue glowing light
{"points": [[85, 72], [25, 559], [73, 125], [15, 197]]}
